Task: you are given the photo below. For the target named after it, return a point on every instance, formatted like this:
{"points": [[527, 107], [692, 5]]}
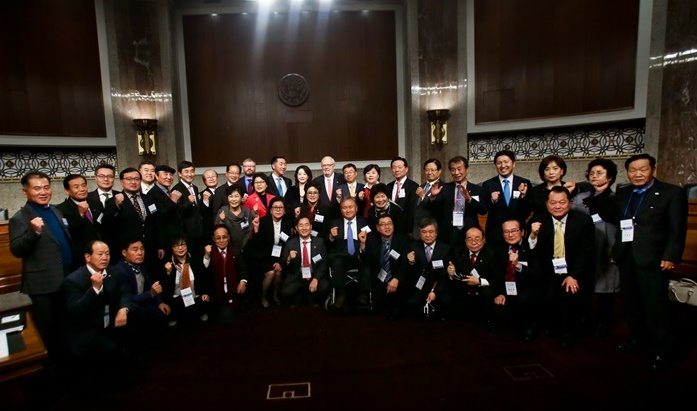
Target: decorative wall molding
{"points": [[601, 140], [55, 163]]}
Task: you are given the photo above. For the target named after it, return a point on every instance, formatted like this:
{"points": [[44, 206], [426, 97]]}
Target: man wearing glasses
{"points": [[328, 183], [104, 175]]}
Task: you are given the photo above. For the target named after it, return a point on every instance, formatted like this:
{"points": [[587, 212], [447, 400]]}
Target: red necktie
{"points": [[510, 267], [473, 259], [398, 185], [306, 254]]}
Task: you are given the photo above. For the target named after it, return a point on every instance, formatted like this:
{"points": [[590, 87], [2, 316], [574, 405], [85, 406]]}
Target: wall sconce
{"points": [[439, 125], [146, 128]]}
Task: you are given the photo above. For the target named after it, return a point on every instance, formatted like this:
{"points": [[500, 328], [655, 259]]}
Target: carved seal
{"points": [[293, 90]]}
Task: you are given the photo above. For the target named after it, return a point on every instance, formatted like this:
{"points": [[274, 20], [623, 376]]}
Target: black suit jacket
{"points": [[192, 222], [124, 224], [81, 229], [259, 247], [273, 188], [660, 225], [372, 255], [293, 270], [93, 199], [219, 199], [329, 207], [441, 206], [409, 200], [169, 219], [131, 284], [528, 279], [518, 209], [485, 265], [436, 278], [339, 244], [85, 308]]}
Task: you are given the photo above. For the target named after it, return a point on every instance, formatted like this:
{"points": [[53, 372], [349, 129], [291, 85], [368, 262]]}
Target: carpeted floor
{"points": [[369, 362]]}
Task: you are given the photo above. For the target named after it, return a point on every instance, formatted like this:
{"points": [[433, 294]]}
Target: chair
{"points": [[351, 282]]}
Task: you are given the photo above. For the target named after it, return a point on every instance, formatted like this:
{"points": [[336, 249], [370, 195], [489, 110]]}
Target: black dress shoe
{"points": [[529, 334], [658, 363], [630, 345]]}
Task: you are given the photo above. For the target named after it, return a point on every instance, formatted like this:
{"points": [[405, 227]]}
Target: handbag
{"points": [[683, 291]]}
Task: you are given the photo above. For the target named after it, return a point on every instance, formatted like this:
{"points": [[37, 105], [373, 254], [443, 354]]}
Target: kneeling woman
{"points": [[186, 285]]}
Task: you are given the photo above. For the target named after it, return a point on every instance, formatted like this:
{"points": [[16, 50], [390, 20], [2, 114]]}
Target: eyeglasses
{"points": [[179, 245], [132, 178], [509, 232], [384, 224], [219, 237], [104, 176]]}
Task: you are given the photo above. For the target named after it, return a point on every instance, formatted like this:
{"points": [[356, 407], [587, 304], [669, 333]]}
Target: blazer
{"points": [[93, 199], [345, 192], [339, 244], [192, 220], [231, 268], [261, 243], [81, 229], [399, 217], [518, 209], [528, 280], [442, 205], [372, 255], [42, 260], [219, 199], [124, 224], [579, 247], [169, 217], [293, 270], [485, 265], [202, 280], [254, 200], [409, 200], [84, 308], [273, 188], [131, 284], [660, 225], [436, 278], [329, 206]]}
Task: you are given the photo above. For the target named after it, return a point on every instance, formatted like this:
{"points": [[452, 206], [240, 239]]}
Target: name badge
{"points": [[106, 316], [437, 264], [383, 276], [474, 273], [187, 297], [313, 233], [225, 285], [596, 218], [316, 259], [65, 221], [152, 208], [244, 224], [366, 229], [560, 265], [306, 272], [511, 288], [627, 227], [394, 254], [475, 198], [458, 219], [421, 282], [516, 194], [99, 219], [284, 237], [276, 251], [319, 218], [402, 193]]}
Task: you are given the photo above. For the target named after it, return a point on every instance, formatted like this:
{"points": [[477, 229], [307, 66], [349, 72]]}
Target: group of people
{"points": [[105, 264]]}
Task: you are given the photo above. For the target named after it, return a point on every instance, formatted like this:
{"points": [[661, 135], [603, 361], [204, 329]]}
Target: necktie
{"points": [[223, 252], [558, 239], [250, 186], [473, 259], [506, 191], [427, 188], [186, 277], [386, 263], [88, 216], [429, 253], [352, 190], [367, 201], [350, 246], [106, 197], [306, 254], [279, 184], [328, 183], [459, 199], [140, 280], [398, 187], [510, 267], [136, 205], [192, 192]]}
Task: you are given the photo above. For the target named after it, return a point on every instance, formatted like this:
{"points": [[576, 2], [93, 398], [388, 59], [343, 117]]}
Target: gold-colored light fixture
{"points": [[146, 130], [439, 125]]}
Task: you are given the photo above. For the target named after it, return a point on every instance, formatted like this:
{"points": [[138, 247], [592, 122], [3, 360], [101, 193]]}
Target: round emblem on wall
{"points": [[293, 90]]}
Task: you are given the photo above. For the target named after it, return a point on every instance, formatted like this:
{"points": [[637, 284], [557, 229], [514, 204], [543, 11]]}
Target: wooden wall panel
{"points": [[348, 59], [549, 58], [50, 79]]}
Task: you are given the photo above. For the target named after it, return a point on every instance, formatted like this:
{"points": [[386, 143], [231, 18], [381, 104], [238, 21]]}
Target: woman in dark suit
{"points": [[296, 194]]}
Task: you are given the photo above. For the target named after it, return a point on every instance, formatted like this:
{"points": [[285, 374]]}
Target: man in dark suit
{"points": [[39, 236], [427, 260], [383, 255], [517, 287], [350, 187], [147, 175], [96, 306], [232, 177], [403, 189], [169, 218], [344, 238], [456, 205], [104, 174], [469, 293], [249, 168], [563, 242], [205, 197], [186, 195], [278, 182], [82, 223], [504, 196], [228, 271], [328, 183], [651, 240], [130, 215], [305, 265], [432, 172]]}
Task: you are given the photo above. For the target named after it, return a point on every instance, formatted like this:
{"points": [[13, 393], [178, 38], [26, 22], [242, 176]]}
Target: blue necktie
{"points": [[506, 192], [280, 187], [349, 239]]}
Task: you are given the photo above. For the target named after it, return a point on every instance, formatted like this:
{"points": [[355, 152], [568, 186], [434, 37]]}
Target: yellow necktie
{"points": [[558, 240]]}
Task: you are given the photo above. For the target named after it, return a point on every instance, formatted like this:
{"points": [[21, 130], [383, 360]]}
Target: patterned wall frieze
{"points": [[56, 163], [603, 140]]}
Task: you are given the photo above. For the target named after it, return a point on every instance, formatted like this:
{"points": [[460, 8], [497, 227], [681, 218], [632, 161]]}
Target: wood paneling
{"points": [[233, 67], [50, 80], [548, 58], [10, 266]]}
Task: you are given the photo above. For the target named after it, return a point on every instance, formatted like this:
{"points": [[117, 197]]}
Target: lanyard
{"points": [[638, 206]]}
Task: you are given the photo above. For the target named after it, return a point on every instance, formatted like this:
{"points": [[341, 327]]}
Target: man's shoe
{"points": [[529, 334], [658, 363], [630, 345]]}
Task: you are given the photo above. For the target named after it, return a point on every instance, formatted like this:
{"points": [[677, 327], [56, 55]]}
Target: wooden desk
{"points": [[27, 361], [10, 266]]}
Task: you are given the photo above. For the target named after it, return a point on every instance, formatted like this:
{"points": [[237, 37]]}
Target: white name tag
{"points": [[276, 251], [316, 259], [458, 219], [476, 198], [560, 265], [421, 282], [402, 193], [474, 273], [284, 237], [225, 285], [516, 194], [99, 219], [187, 297], [10, 318], [437, 264], [244, 224], [394, 254], [65, 221], [627, 227], [366, 229], [314, 233], [306, 272], [152, 208], [106, 316], [511, 288], [596, 218], [319, 218], [383, 276]]}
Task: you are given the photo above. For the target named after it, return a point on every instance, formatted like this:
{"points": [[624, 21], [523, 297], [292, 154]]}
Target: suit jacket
{"points": [[372, 256], [125, 224], [169, 218], [420, 210], [660, 225], [192, 221], [345, 192], [85, 308], [399, 218], [528, 280], [219, 199], [273, 188], [339, 244], [329, 207], [441, 206], [518, 209], [485, 265], [42, 260], [293, 270], [254, 200], [232, 269], [202, 280], [436, 278], [131, 284], [93, 199], [579, 247], [81, 229], [260, 245], [409, 200]]}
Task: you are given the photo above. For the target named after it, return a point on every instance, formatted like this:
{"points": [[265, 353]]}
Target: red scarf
{"points": [[224, 268]]}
